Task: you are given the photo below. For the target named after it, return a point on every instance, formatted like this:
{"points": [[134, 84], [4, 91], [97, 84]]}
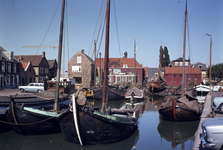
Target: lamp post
{"points": [[210, 59]]}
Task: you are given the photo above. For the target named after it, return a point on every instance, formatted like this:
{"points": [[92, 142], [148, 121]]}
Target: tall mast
{"points": [[135, 62], [160, 63], [59, 57], [184, 47], [95, 63], [105, 79], [210, 59]]}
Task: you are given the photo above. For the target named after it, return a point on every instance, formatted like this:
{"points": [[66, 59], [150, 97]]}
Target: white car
{"points": [[32, 87]]}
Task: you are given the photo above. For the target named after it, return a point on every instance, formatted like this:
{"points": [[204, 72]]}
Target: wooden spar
{"points": [[100, 69], [75, 119], [184, 47], [105, 79], [55, 108], [135, 61], [95, 63], [160, 63]]}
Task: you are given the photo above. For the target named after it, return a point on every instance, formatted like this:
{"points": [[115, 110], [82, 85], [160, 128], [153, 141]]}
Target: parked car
{"points": [[212, 133], [32, 87], [218, 103]]}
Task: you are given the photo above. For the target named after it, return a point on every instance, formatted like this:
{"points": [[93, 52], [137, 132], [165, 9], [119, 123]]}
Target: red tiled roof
{"points": [[34, 59], [178, 70], [118, 63], [25, 64]]}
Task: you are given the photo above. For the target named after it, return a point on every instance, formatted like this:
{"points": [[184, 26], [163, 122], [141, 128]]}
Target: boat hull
{"points": [[182, 112], [112, 95], [30, 122], [95, 128]]}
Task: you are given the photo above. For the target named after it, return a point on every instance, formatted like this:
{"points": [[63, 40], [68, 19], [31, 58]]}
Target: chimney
{"points": [[20, 58], [43, 55], [82, 51]]}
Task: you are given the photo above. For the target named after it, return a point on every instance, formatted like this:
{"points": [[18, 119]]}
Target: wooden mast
{"points": [[210, 60], [160, 63], [135, 62], [55, 108], [105, 79], [184, 47]]}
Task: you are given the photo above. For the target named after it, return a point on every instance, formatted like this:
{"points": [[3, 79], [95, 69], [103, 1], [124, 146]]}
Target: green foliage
{"points": [[165, 58], [192, 84], [216, 71], [125, 54]]}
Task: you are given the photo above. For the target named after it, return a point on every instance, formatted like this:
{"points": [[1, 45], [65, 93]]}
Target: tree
{"points": [[216, 71], [165, 58], [125, 54]]}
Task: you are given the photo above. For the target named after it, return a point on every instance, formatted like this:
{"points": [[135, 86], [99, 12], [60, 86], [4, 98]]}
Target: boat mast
{"points": [[135, 61], [160, 63], [105, 79], [55, 108], [184, 47], [210, 60]]}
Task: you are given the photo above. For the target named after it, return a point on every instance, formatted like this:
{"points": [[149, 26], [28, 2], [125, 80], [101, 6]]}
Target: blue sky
{"points": [[150, 22]]}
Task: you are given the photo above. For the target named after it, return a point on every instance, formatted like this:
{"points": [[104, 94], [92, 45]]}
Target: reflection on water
{"points": [[177, 132], [151, 131]]}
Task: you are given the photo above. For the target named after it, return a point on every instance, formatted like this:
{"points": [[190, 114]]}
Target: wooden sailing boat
{"points": [[184, 107], [31, 121], [160, 83], [86, 125]]}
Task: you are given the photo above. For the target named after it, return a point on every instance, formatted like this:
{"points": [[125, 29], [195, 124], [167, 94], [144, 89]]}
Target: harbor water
{"points": [[152, 134]]}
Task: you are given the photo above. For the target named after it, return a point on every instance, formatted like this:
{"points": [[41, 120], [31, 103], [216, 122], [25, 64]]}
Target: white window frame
{"points": [[186, 63], [3, 66], [181, 63], [76, 68], [176, 63], [78, 59]]}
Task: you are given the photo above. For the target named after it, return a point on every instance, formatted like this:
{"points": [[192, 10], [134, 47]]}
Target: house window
{"points": [[13, 79], [195, 79], [8, 80], [156, 74], [174, 81], [117, 71], [110, 71], [41, 70], [76, 68], [181, 63], [9, 67], [189, 78], [3, 66], [174, 75], [118, 79], [186, 63], [78, 59], [176, 63], [130, 79], [14, 68], [181, 75], [124, 79], [46, 70], [125, 66]]}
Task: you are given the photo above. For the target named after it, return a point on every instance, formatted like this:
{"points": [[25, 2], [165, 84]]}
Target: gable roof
{"points": [[51, 63], [180, 59], [118, 63], [178, 70], [34, 59], [25, 65], [83, 54], [198, 64]]}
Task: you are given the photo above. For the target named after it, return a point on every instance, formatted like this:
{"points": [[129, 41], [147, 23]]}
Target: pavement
{"points": [[206, 114], [8, 92]]}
